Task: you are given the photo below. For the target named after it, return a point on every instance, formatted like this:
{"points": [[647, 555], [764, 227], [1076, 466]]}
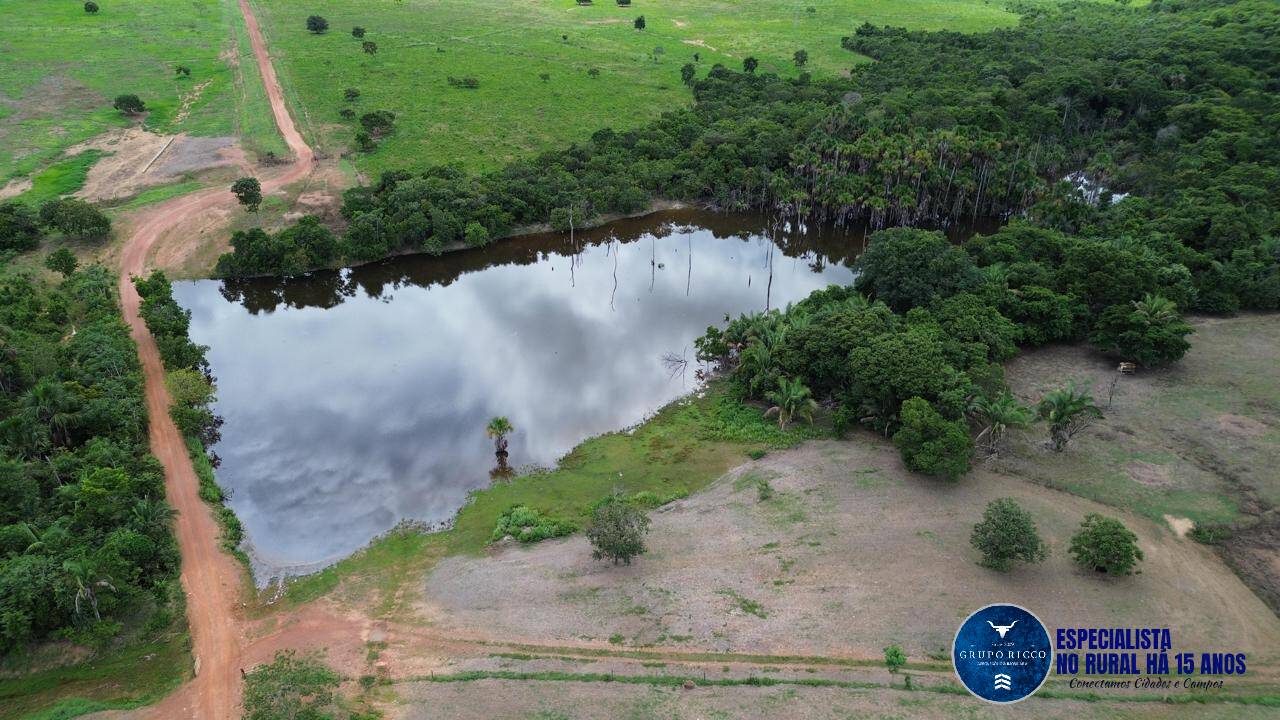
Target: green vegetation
{"points": [[1068, 411], [513, 114], [291, 687], [1007, 534], [617, 529], [1104, 544], [930, 443], [131, 46], [62, 178], [87, 551], [248, 192], [894, 658], [528, 525], [1149, 332]]}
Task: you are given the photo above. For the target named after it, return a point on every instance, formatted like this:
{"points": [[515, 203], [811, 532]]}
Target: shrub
{"points": [[76, 218], [290, 687], [617, 530], [61, 261], [1104, 544], [129, 104], [894, 658], [1007, 534], [91, 7], [528, 525], [357, 32], [19, 226], [1149, 332], [351, 94], [317, 24], [931, 444]]}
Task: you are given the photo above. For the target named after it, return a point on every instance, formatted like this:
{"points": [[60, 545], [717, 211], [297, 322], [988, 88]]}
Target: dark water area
{"points": [[354, 399]]}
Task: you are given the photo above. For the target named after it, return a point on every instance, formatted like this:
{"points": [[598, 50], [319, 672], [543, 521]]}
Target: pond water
{"points": [[354, 399]]}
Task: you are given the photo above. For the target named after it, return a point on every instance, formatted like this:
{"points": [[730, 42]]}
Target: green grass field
{"points": [[61, 68], [510, 46]]}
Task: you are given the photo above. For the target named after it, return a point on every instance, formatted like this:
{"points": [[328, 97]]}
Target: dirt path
{"points": [[213, 581]]}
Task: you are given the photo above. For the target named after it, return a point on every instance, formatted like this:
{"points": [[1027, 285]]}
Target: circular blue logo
{"points": [[1002, 653]]}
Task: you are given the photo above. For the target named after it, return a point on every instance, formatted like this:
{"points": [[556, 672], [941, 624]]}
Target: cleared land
{"points": [[61, 68], [508, 47]]}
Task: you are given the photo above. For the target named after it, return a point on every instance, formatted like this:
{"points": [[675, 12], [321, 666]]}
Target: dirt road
{"points": [[213, 581]]}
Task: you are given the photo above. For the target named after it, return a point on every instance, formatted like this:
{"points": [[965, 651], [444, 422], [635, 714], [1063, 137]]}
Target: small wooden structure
{"points": [[1128, 368]]}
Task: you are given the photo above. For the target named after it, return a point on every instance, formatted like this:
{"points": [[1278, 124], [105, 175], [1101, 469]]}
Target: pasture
{"points": [[61, 68], [534, 62]]}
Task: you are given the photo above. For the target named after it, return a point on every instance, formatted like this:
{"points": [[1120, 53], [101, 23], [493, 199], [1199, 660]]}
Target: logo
{"points": [[1002, 653]]}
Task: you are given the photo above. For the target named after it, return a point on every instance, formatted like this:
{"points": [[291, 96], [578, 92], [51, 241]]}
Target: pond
{"points": [[358, 398]]}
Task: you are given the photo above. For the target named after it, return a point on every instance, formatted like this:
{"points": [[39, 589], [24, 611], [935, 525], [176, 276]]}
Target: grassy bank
{"points": [[683, 448]]}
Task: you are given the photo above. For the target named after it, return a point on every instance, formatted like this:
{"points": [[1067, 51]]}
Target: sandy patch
{"points": [[138, 159], [15, 188], [610, 21], [702, 44], [680, 23], [1149, 474], [1240, 426], [1180, 525]]}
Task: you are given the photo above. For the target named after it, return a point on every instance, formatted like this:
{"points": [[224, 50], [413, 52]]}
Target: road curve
{"points": [[212, 580]]}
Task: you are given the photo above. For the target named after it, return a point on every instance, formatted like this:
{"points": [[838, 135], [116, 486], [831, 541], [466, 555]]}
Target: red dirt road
{"points": [[212, 580]]}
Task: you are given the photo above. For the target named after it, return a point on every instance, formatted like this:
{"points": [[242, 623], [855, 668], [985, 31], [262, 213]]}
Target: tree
{"points": [[62, 261], [317, 24], [617, 530], [357, 32], [906, 268], [475, 235], [544, 77], [1149, 332], [1068, 411], [791, 398], [378, 122], [624, 3], [182, 71], [749, 64], [498, 429], [593, 73], [351, 94], [19, 226], [997, 416], [1104, 544], [370, 47], [801, 58], [931, 444], [76, 218], [894, 658], [91, 7], [248, 192], [129, 104], [1006, 534], [639, 23], [687, 73]]}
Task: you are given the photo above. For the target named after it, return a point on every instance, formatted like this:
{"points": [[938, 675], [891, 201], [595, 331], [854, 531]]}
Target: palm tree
{"points": [[51, 405], [998, 416], [1068, 411], [1155, 309], [87, 580], [153, 514], [791, 398], [498, 429]]}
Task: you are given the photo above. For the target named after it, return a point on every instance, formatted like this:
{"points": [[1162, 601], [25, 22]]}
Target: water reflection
{"points": [[356, 398]]}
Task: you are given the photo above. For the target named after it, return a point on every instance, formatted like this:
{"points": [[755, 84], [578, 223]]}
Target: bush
{"points": [[1007, 534], [1104, 544], [931, 444], [19, 226], [617, 530], [291, 687], [129, 104], [529, 525], [75, 218], [907, 268], [1149, 332], [317, 24]]}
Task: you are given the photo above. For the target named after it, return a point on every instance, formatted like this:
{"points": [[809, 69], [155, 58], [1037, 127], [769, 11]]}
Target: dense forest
{"points": [[85, 533]]}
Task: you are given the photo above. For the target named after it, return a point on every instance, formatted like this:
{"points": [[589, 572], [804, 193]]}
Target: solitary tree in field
{"points": [[639, 23], [801, 58], [351, 94], [697, 57], [91, 8], [617, 530], [687, 73], [1005, 534], [317, 24], [544, 77], [749, 64], [357, 32], [894, 658], [593, 73], [182, 71], [792, 398], [1068, 411], [62, 261], [1104, 544], [370, 47], [249, 192], [129, 104]]}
